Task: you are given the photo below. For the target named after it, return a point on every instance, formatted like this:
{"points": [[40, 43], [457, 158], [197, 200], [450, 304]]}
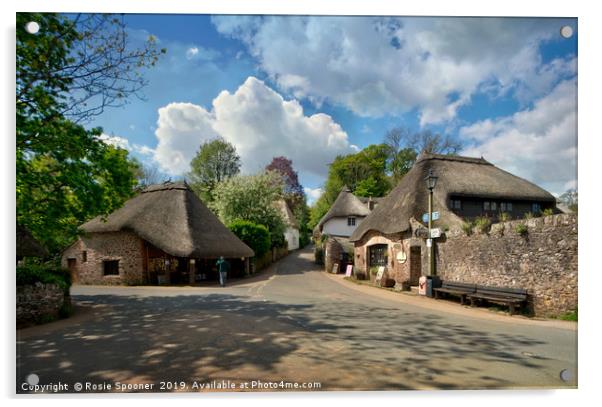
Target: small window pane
{"points": [[503, 207], [486, 205], [84, 256], [509, 205], [350, 221], [536, 208], [494, 206]]}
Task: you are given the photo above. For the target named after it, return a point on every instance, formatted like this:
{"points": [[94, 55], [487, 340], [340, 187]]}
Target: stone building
{"points": [[344, 216], [393, 235], [164, 235]]}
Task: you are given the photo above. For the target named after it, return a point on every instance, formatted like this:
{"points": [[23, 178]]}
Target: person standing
{"points": [[222, 267]]}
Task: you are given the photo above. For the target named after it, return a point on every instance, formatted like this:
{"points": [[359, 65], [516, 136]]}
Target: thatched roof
{"points": [[458, 176], [345, 205], [27, 245], [172, 218], [287, 215]]}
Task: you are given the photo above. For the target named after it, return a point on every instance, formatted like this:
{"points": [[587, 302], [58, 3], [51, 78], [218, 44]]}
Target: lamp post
{"points": [[431, 181]]}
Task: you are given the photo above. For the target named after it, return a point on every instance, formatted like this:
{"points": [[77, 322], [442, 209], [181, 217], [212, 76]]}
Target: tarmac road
{"points": [[292, 324]]}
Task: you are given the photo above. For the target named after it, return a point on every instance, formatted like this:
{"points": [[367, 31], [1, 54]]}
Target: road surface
{"points": [[293, 324]]}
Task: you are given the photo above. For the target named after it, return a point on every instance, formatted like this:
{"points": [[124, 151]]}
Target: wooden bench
{"points": [[457, 289], [512, 297]]}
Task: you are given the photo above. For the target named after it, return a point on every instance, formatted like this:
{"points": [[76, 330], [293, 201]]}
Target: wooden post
{"points": [[191, 271]]}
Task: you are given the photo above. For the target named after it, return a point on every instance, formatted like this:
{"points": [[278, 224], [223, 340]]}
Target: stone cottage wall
{"points": [[123, 246], [39, 303], [400, 272], [543, 261]]}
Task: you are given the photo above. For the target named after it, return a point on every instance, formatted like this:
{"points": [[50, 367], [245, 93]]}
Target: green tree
{"points": [[69, 71], [251, 198], [215, 162], [365, 173]]}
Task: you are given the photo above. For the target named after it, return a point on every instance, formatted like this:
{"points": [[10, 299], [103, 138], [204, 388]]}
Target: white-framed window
{"points": [[494, 206], [351, 221], [506, 206], [486, 205], [456, 204]]}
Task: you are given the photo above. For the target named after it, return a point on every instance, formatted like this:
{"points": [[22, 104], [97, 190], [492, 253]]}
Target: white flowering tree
{"points": [[251, 198]]}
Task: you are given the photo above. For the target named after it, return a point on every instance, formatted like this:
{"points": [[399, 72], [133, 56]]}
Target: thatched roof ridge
{"points": [[27, 245], [287, 215], [458, 176], [345, 205], [172, 218]]}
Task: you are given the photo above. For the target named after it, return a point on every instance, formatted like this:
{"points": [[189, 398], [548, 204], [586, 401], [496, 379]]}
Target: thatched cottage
{"points": [[344, 216], [164, 235], [467, 188], [291, 233]]}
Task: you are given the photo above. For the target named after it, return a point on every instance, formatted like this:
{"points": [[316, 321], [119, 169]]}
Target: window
{"points": [[111, 267], [456, 204], [494, 206], [535, 208], [506, 207], [84, 256], [350, 221], [378, 255], [486, 205]]}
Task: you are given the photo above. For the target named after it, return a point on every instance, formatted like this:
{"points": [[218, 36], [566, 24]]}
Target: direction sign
{"points": [[425, 217], [435, 233], [422, 232]]}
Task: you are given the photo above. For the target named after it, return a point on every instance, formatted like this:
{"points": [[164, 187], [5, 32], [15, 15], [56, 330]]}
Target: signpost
{"points": [[435, 233], [335, 268], [349, 270], [425, 216]]}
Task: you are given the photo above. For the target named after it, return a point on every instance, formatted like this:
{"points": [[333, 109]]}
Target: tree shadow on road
{"points": [[217, 336]]}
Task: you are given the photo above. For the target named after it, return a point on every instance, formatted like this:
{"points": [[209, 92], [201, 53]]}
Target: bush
{"points": [[529, 215], [303, 240], [522, 229], [29, 274], [257, 237], [504, 217], [319, 255], [570, 316], [483, 224], [467, 228], [548, 212]]}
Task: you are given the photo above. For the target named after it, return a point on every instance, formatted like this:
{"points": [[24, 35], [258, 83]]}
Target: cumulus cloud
{"points": [[376, 66], [124, 143], [259, 122], [192, 52], [313, 194], [539, 143]]}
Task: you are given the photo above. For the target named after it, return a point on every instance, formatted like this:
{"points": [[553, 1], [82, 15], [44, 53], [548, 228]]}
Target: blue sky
{"points": [[311, 88]]}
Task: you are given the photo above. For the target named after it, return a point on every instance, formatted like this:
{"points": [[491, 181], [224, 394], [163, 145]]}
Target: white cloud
{"points": [[539, 144], [124, 143], [376, 66], [313, 194], [192, 52], [260, 124]]}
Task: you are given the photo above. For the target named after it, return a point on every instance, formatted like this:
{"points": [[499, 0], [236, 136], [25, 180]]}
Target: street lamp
{"points": [[431, 181]]}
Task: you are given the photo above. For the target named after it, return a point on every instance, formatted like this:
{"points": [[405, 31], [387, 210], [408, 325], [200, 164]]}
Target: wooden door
{"points": [[72, 266]]}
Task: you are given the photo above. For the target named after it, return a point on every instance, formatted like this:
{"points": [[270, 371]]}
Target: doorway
{"points": [[72, 266], [415, 264]]}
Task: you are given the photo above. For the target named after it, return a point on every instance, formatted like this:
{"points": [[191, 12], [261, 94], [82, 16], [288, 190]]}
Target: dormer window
{"points": [[351, 221]]}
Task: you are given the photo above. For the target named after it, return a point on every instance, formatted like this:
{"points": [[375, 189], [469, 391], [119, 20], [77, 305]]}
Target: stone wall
{"points": [[99, 247], [544, 260], [39, 303]]}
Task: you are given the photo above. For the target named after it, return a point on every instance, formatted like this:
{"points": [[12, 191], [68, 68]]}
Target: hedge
{"points": [[257, 237], [29, 274]]}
